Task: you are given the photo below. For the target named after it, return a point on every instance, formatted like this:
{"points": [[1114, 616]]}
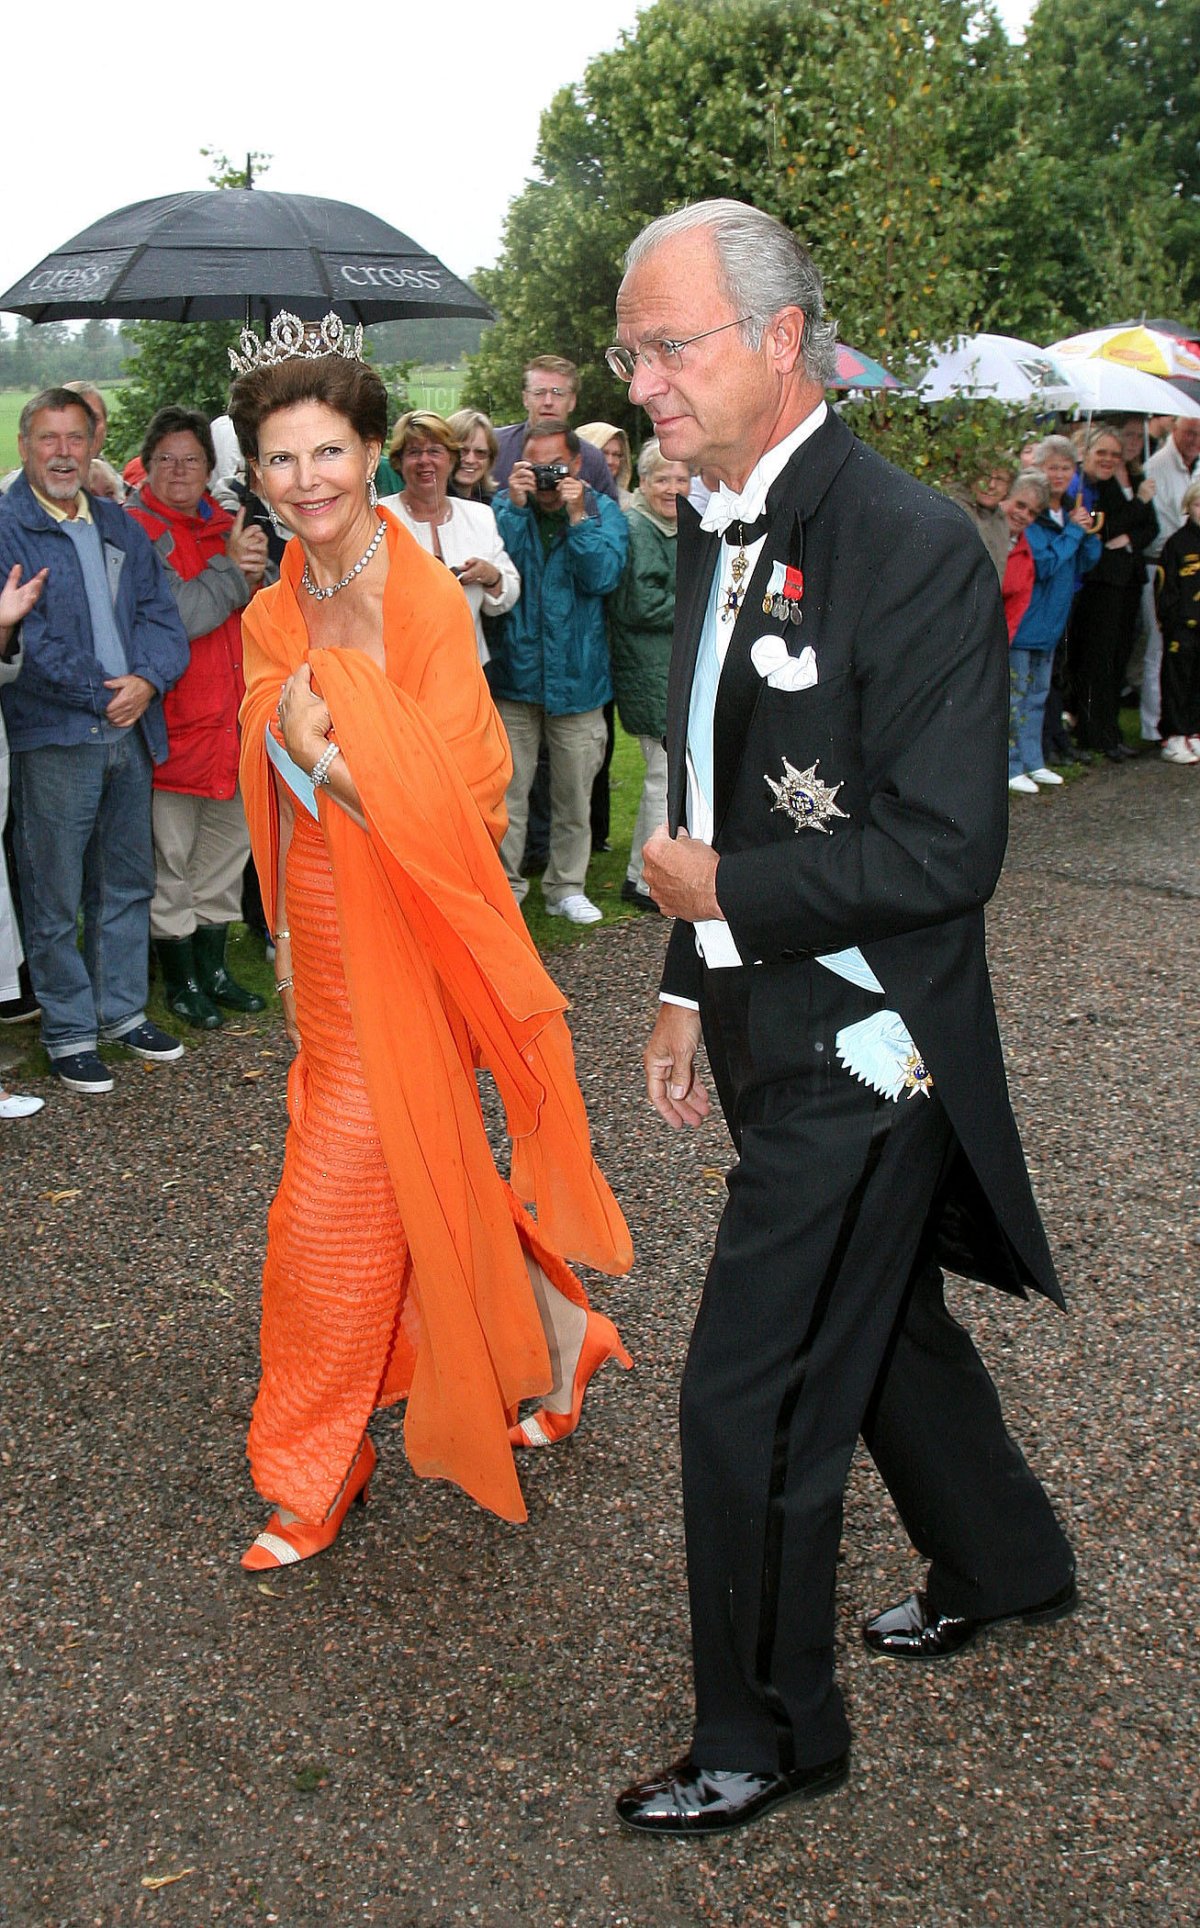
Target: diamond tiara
{"points": [[290, 338]]}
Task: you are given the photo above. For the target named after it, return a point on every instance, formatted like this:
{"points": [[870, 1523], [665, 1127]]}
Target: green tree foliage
{"points": [[181, 362], [944, 180], [444, 341], [42, 355], [868, 127], [1114, 97]]}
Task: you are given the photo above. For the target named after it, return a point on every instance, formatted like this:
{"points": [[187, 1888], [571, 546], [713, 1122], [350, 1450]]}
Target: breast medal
{"points": [[783, 594], [804, 798]]}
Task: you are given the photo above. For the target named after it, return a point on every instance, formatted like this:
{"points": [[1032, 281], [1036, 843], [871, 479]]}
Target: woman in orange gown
{"points": [[400, 1263]]}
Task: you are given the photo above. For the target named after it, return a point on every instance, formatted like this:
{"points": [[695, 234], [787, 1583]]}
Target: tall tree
{"points": [[868, 128], [1114, 95]]}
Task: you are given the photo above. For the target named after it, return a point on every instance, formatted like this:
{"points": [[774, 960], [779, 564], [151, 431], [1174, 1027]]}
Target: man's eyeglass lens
{"points": [[659, 354]]}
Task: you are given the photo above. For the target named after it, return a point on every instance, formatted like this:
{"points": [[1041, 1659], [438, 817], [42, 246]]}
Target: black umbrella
{"points": [[240, 253]]}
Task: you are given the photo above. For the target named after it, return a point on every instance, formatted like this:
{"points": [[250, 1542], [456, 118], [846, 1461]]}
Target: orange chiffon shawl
{"points": [[442, 976]]}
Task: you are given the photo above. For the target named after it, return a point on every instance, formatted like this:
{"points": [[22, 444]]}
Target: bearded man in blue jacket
{"points": [[550, 671], [102, 641]]}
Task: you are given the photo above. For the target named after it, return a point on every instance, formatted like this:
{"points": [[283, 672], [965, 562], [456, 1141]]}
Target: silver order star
{"points": [[804, 798]]}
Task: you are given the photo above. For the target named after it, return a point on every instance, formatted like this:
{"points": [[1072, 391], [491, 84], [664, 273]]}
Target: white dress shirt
{"points": [[714, 939]]}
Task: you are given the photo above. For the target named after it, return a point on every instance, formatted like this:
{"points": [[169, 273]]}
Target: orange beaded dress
{"points": [[395, 1249]]}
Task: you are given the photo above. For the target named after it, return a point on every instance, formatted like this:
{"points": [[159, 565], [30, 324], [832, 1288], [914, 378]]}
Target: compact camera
{"points": [[548, 475]]}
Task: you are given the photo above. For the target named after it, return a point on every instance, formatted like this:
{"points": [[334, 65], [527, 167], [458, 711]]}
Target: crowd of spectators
{"points": [[1091, 535], [120, 660]]}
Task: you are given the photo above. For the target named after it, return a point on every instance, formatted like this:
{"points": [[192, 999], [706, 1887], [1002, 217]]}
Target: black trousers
{"points": [[1099, 639], [822, 1317], [1181, 683]]}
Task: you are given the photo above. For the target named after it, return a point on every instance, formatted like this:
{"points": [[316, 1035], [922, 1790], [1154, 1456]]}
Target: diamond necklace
{"points": [[322, 595]]}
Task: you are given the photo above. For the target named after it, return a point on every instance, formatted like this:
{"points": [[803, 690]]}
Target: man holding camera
{"points": [[550, 391], [550, 670]]}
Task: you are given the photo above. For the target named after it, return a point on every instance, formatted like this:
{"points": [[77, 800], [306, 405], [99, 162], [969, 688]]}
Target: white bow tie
{"points": [[723, 507]]}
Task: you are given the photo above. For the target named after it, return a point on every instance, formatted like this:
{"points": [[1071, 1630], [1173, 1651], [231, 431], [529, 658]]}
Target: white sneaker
{"points": [[1024, 784], [1178, 749], [1047, 778], [577, 908], [12, 1105], [1193, 743]]}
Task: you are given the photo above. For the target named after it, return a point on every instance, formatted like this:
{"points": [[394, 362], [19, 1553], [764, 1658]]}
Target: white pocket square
{"points": [[781, 671]]}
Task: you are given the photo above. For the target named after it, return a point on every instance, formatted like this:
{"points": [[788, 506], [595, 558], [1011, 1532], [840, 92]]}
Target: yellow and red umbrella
{"points": [[1136, 346]]}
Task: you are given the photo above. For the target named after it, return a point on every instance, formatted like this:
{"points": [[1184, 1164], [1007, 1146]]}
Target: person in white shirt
{"points": [[461, 534], [837, 727]]}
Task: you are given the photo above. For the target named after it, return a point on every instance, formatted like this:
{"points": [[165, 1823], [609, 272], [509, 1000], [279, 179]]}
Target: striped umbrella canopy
{"points": [[1188, 332], [856, 370]]}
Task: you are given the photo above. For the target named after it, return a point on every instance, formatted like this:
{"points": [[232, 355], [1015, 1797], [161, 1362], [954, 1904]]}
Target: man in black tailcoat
{"points": [[837, 748]]}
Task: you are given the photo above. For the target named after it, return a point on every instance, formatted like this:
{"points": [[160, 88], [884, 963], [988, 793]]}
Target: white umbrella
{"points": [[1107, 387], [1000, 368]]}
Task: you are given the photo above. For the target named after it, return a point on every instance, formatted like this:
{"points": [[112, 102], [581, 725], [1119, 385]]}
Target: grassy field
{"points": [[12, 401], [437, 389]]}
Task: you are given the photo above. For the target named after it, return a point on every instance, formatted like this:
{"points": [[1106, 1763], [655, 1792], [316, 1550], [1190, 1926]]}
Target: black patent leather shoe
{"points": [[692, 1800], [912, 1631]]}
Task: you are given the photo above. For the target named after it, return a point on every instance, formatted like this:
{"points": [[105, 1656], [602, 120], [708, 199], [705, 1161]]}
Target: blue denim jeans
{"points": [[81, 818], [1029, 685]]}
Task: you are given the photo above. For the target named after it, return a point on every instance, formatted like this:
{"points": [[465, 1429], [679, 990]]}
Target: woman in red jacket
{"points": [[214, 565]]}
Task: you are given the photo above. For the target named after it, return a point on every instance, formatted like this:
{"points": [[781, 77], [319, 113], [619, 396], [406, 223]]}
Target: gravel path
{"points": [[424, 1727]]}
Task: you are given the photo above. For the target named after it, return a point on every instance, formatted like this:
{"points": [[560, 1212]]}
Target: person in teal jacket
{"points": [[550, 673]]}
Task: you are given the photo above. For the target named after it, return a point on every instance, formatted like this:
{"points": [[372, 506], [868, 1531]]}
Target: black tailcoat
{"points": [[910, 718]]}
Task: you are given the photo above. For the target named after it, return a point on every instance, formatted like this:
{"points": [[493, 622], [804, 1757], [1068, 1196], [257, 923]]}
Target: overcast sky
{"points": [[427, 115]]}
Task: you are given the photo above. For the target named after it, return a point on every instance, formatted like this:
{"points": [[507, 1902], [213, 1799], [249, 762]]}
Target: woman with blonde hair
{"points": [[1104, 616], [459, 533], [477, 451], [613, 444]]}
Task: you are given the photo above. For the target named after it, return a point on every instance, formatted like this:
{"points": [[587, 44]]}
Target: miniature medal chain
{"points": [[737, 569], [740, 566]]}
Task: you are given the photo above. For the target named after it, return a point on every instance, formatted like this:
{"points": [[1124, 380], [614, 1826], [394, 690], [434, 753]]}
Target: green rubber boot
{"points": [[208, 944], [181, 986]]}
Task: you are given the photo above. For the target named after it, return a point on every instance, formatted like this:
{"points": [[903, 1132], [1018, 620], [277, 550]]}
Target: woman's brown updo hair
{"points": [[353, 389]]}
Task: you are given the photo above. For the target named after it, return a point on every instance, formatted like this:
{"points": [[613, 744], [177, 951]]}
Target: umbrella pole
{"points": [[249, 183]]}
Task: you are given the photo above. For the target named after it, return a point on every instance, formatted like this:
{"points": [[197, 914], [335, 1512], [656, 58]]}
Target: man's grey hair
{"points": [[55, 399], [763, 268], [91, 395]]}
